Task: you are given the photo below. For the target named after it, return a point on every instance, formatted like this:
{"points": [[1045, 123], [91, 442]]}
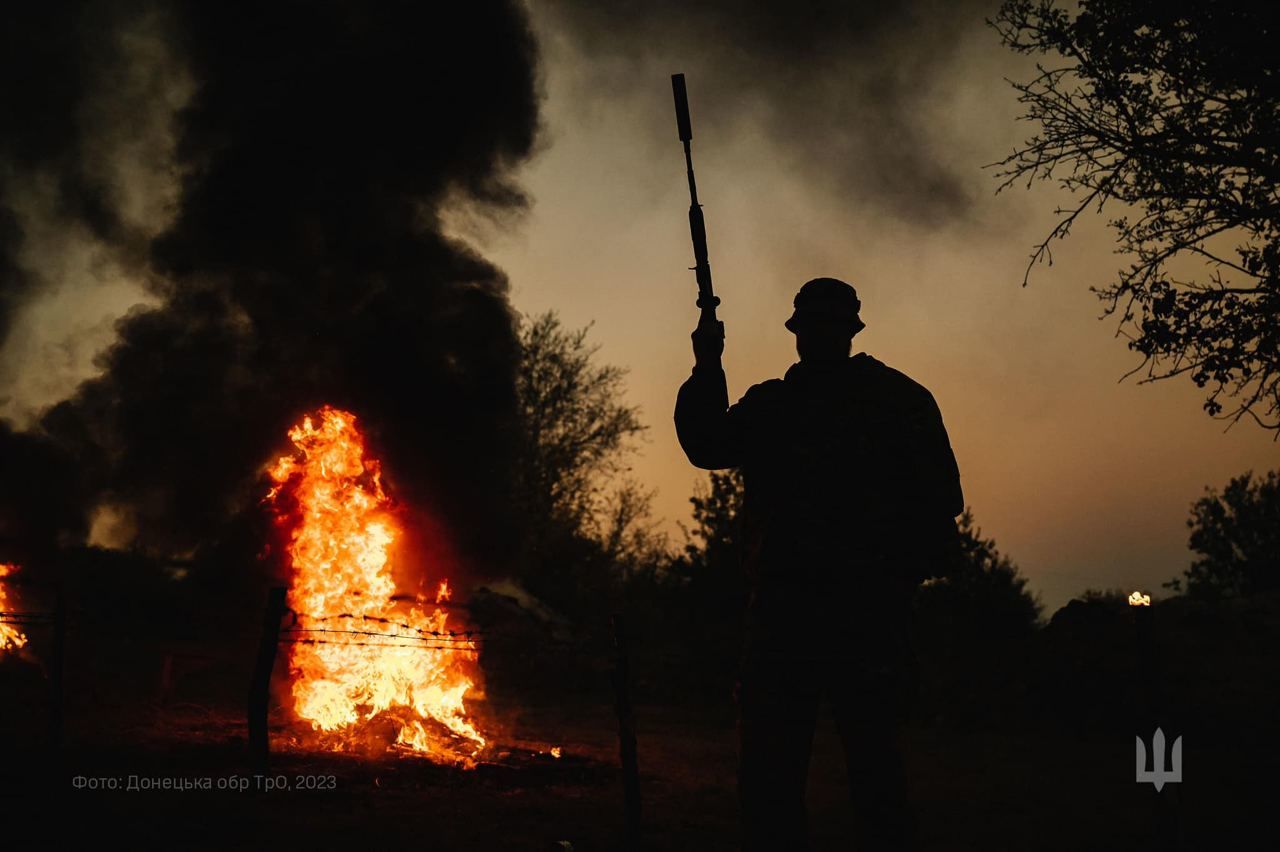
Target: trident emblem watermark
{"points": [[1157, 774]]}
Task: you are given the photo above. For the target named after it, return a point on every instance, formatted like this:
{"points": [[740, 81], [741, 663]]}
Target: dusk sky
{"points": [[1085, 481], [873, 175]]}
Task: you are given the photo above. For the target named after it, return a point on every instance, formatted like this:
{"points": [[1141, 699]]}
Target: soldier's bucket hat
{"points": [[826, 302]]}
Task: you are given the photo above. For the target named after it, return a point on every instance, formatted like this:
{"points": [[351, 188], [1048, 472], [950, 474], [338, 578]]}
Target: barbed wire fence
{"points": [[282, 626]]}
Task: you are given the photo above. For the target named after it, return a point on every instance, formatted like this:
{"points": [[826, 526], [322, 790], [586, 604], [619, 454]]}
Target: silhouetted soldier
{"points": [[851, 497]]}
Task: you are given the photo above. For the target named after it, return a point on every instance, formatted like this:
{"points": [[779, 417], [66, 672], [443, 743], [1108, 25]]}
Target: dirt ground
{"points": [[976, 790]]}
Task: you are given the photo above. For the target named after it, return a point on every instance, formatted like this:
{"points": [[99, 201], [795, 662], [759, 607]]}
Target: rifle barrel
{"points": [[697, 225], [682, 109]]}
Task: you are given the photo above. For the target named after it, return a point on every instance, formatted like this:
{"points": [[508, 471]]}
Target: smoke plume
{"points": [[300, 261], [842, 87]]}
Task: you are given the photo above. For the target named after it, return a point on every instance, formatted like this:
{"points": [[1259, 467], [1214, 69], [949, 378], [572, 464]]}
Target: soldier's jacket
{"points": [[851, 484]]}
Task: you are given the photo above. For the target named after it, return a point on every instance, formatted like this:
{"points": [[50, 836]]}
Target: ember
{"points": [[369, 666], [10, 636]]}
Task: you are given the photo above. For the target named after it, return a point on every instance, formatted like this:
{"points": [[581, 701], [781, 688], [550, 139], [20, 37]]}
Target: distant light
{"points": [[1139, 599]]}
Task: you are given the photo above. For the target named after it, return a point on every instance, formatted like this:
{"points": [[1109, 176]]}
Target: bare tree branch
{"points": [[1172, 109]]}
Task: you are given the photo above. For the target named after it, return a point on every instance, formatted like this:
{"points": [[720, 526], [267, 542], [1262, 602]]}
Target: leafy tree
{"points": [[1169, 109], [694, 610], [715, 541], [712, 560], [973, 626], [587, 525], [982, 595], [1237, 537]]}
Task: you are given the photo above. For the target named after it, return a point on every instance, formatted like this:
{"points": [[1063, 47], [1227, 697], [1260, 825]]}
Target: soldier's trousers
{"points": [[778, 701]]}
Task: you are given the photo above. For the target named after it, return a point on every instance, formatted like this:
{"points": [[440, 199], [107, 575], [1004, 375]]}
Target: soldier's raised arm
{"points": [[704, 423], [708, 429]]}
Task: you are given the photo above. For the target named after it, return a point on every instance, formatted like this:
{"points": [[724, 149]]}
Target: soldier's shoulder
{"points": [[895, 382], [770, 390]]}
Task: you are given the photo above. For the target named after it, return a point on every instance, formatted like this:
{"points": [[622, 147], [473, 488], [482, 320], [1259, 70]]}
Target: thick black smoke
{"points": [[306, 265], [42, 504], [842, 86]]}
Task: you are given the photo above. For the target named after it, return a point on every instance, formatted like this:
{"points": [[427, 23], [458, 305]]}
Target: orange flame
{"points": [[1139, 599], [411, 678], [10, 636]]}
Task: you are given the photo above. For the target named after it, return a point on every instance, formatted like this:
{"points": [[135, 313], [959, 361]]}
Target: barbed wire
{"points": [[456, 648], [591, 647], [471, 640], [446, 636], [26, 620], [380, 620]]}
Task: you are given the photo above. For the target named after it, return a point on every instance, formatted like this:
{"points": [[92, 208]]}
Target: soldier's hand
{"points": [[708, 343]]}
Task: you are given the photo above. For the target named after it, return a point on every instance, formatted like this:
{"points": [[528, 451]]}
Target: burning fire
{"points": [[1139, 599], [10, 636], [369, 665]]}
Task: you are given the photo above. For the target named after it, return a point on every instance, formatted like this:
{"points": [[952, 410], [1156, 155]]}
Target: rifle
{"points": [[707, 300]]}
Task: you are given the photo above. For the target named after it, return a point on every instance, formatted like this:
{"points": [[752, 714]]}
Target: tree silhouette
{"points": [[981, 595], [1237, 536], [973, 629], [712, 559], [587, 524], [1171, 110]]}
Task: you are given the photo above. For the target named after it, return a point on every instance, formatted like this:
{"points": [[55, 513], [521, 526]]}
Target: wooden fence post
{"points": [[260, 687], [626, 730]]}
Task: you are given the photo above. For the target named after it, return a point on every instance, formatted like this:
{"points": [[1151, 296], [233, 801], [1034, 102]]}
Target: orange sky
{"points": [[1083, 480]]}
